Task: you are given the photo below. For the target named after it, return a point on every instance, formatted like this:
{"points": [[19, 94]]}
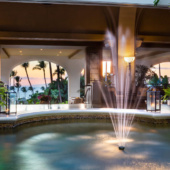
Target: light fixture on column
{"points": [[129, 59]]}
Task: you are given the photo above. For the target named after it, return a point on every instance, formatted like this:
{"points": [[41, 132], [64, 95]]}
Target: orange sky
{"points": [[165, 69]]}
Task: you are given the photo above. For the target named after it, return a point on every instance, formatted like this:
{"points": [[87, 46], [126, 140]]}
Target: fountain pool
{"points": [[83, 144]]}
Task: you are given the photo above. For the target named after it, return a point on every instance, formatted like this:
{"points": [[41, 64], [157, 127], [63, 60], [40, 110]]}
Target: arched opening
{"points": [[39, 82], [162, 69]]}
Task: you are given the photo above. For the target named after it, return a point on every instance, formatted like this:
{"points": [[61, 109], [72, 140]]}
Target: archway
{"points": [[38, 82]]}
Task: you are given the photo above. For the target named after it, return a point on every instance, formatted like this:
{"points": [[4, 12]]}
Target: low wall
{"points": [[140, 115]]}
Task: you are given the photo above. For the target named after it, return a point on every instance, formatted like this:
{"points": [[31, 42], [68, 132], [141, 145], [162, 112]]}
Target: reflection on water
{"points": [[83, 145]]}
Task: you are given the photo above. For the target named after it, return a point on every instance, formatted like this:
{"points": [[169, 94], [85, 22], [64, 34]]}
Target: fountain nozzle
{"points": [[121, 148]]}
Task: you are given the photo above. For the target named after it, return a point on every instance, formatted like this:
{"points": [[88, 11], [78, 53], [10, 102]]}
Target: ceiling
{"points": [[55, 51]]}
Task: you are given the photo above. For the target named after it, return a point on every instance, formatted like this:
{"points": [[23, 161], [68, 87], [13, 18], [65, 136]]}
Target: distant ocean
{"points": [[36, 88]]}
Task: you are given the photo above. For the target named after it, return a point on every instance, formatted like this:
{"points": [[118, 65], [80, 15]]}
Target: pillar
{"points": [[126, 48], [126, 37], [93, 72]]}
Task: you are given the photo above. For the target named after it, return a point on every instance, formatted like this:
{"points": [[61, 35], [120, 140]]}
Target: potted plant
{"points": [[44, 99], [167, 95], [3, 94]]}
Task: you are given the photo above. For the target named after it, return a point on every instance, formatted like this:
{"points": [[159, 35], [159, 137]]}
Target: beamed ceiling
{"points": [[77, 25]]}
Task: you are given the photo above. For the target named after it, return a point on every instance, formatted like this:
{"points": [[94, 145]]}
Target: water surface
{"points": [[83, 144]]}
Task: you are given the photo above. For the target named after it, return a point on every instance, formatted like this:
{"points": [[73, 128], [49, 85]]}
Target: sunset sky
{"points": [[165, 69], [36, 76]]}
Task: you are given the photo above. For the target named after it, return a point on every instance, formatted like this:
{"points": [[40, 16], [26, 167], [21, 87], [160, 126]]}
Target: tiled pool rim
{"points": [[93, 113]]}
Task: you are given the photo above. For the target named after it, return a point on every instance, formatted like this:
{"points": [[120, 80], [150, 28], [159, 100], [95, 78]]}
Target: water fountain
{"points": [[121, 121]]}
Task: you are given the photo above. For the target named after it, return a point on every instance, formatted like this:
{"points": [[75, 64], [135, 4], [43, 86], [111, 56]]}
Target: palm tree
{"points": [[30, 88], [24, 90], [25, 66], [59, 71], [41, 66], [43, 88], [51, 76], [12, 88], [17, 84], [12, 75]]}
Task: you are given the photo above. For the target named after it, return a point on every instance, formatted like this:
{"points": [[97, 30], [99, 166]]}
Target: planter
{"points": [[44, 102]]}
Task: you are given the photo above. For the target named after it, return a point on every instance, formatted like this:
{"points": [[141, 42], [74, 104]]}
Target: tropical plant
{"points": [[165, 81], [59, 71], [3, 94], [54, 94], [44, 98], [30, 88], [51, 75], [12, 75], [42, 88], [82, 86], [154, 81], [34, 98], [142, 75], [25, 66], [17, 84], [167, 93], [63, 89], [41, 66], [156, 2], [12, 88], [24, 90]]}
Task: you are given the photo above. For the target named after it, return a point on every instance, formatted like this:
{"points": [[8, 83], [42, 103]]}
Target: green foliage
{"points": [[30, 88], [59, 71], [43, 88], [25, 65], [155, 81], [156, 2], [12, 88], [3, 95], [167, 93], [13, 73], [142, 74], [34, 98], [82, 86], [24, 89], [165, 81], [41, 65], [54, 93]]}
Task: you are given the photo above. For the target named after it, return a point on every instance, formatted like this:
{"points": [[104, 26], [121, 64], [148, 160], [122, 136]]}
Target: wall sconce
{"points": [[129, 59]]}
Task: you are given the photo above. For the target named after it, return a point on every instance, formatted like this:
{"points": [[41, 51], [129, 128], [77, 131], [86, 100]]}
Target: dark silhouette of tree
{"points": [[25, 66], [12, 75], [17, 84], [59, 71], [41, 66], [24, 90]]}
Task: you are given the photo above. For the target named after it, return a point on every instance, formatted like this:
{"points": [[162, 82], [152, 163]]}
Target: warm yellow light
{"points": [[82, 72], [108, 67], [104, 68], [129, 59]]}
